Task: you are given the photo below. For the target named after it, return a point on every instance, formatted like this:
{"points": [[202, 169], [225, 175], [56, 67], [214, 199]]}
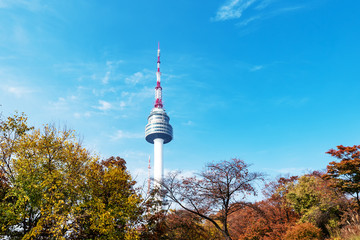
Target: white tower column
{"points": [[158, 162]]}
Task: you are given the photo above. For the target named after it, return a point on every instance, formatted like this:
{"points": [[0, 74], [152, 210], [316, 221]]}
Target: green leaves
{"points": [[52, 187]]}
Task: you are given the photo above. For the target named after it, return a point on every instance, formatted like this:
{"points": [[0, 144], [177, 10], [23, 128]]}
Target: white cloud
{"points": [[114, 63], [256, 68], [110, 66], [18, 91], [290, 101], [32, 5], [291, 171], [119, 134], [81, 115], [249, 20], [135, 78], [188, 123], [134, 98], [287, 9], [122, 105], [62, 104], [104, 105], [263, 4], [268, 14], [232, 9], [105, 79]]}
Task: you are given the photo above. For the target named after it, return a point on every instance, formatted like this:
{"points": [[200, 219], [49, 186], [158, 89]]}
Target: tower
{"points": [[158, 131]]}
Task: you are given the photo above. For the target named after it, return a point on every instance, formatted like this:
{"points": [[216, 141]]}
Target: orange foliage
{"points": [[303, 231], [268, 219], [346, 173]]}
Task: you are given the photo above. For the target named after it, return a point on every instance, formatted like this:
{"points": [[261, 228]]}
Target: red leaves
{"points": [[346, 173]]}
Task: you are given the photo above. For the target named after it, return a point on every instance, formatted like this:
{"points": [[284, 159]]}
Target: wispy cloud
{"points": [[249, 20], [134, 98], [189, 123], [81, 115], [105, 79], [125, 135], [256, 10], [290, 101], [264, 3], [62, 104], [32, 5], [104, 105], [287, 9], [263, 15], [256, 68], [232, 9], [290, 171], [17, 91], [101, 72], [111, 66], [135, 78]]}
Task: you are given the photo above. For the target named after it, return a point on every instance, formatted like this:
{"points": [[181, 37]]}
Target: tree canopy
{"points": [[216, 192], [346, 173], [52, 187]]}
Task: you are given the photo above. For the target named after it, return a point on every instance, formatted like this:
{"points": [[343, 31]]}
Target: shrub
{"points": [[303, 231]]}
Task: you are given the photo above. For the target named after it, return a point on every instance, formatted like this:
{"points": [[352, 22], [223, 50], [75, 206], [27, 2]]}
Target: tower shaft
{"points": [[158, 162]]}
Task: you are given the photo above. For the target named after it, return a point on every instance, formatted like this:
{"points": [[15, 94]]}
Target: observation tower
{"points": [[158, 131]]}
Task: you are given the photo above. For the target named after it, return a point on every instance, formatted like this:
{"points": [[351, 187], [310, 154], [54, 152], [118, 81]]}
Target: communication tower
{"points": [[158, 131]]}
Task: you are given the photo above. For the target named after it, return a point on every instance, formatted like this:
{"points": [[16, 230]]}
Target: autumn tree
{"points": [[270, 219], [52, 187], [153, 226], [183, 225], [215, 193], [111, 208], [316, 202], [346, 173], [12, 130]]}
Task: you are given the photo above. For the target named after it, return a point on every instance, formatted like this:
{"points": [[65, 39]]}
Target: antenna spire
{"points": [[158, 89]]}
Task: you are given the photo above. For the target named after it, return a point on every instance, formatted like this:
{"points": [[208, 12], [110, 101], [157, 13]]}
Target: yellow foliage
{"points": [[59, 190]]}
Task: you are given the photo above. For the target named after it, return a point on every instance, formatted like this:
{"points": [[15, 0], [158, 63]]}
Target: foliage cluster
{"points": [[51, 187], [303, 231]]}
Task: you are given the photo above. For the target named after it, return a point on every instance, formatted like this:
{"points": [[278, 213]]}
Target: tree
{"points": [[11, 131], [346, 173], [183, 225], [111, 208], [273, 216], [52, 187], [153, 226], [316, 202], [215, 193]]}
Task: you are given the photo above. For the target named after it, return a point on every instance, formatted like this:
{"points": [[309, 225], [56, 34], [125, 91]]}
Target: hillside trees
{"points": [[274, 218], [51, 186], [316, 202], [346, 173], [111, 207], [215, 193]]}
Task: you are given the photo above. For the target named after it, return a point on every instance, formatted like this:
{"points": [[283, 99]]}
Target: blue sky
{"points": [[273, 82]]}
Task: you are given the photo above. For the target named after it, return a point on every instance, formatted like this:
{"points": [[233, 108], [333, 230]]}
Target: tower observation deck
{"points": [[158, 131]]}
